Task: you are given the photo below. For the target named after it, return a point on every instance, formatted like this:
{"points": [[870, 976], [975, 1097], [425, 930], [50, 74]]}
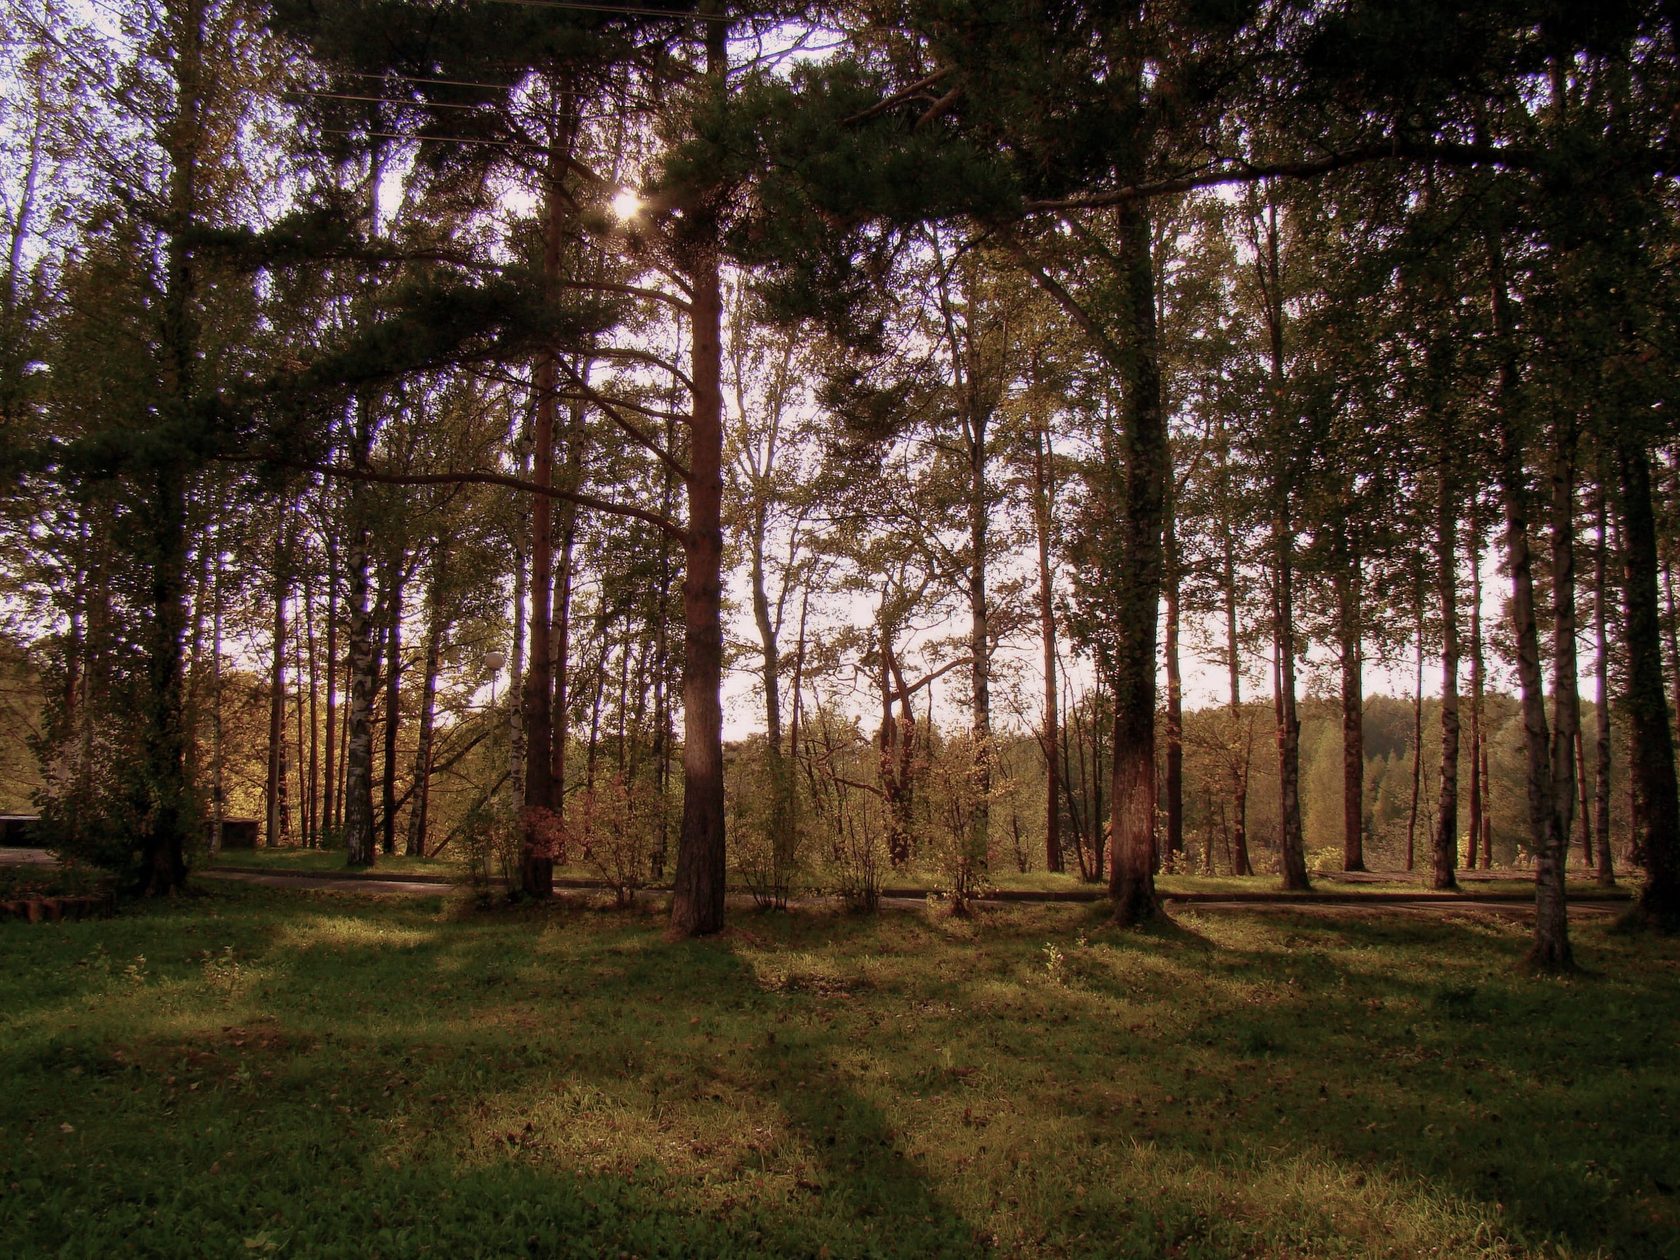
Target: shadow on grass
{"points": [[1232, 1084]]}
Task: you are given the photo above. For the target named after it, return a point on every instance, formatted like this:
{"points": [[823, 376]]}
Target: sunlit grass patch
{"points": [[340, 1075]]}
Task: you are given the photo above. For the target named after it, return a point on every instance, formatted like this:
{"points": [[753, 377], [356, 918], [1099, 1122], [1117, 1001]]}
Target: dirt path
{"points": [[1402, 900]]}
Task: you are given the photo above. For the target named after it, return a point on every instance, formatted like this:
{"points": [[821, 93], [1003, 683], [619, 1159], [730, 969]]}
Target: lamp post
{"points": [[494, 659]]}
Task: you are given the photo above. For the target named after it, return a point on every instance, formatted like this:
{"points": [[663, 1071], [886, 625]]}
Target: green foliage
{"points": [[491, 838], [768, 827], [962, 782]]}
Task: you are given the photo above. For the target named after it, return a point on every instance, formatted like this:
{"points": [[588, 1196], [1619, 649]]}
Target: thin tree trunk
{"points": [[300, 677], [393, 702], [1049, 736], [1174, 753], [1478, 734], [1446, 560], [329, 771], [979, 637], [312, 663], [571, 477], [218, 785], [1551, 949], [275, 812], [1566, 685], [1601, 683], [1417, 742], [516, 658], [420, 792], [1351, 649], [1240, 863], [358, 740], [1291, 843], [536, 864]]}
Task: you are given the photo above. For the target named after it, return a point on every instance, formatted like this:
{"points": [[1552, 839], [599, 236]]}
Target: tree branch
{"points": [[1451, 153], [663, 523]]}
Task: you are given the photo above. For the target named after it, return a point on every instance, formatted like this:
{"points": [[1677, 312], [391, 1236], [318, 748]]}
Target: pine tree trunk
{"points": [[1050, 735], [1351, 650], [421, 791], [560, 623], [1551, 949], [218, 784], [1478, 734], [1174, 753], [161, 844], [300, 702], [313, 837], [1417, 744], [329, 770], [1291, 843], [697, 899], [516, 657], [1138, 595], [1445, 849], [1240, 863], [393, 702], [536, 864], [1601, 684], [979, 638], [1566, 685], [1651, 760], [358, 735], [274, 790]]}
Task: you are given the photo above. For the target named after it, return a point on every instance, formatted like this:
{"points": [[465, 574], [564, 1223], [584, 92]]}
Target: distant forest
{"points": [[412, 411]]}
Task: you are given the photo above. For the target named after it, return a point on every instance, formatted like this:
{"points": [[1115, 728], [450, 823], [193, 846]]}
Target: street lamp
{"points": [[494, 659]]}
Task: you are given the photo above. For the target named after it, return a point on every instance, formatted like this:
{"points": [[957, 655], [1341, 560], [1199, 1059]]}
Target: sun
{"points": [[626, 206]]}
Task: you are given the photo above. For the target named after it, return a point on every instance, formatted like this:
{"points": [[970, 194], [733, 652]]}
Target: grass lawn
{"points": [[255, 1072]]}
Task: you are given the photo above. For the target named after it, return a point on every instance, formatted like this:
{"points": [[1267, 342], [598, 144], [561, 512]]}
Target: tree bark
{"points": [[536, 862], [1651, 760], [420, 793], [396, 589], [1551, 950], [329, 769], [1445, 849], [358, 736], [1478, 736], [1601, 683], [1174, 752], [697, 900], [275, 812], [1050, 735], [1351, 650], [1138, 583]]}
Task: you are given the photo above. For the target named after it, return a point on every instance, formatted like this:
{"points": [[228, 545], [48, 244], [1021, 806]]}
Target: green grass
{"points": [[254, 1071]]}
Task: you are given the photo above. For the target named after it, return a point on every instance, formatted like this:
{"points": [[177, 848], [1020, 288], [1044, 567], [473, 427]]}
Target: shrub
{"points": [[491, 839], [766, 825], [615, 826], [962, 783]]}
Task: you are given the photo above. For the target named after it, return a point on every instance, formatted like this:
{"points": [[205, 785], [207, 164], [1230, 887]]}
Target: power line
{"points": [[526, 145], [381, 100], [414, 104], [414, 78], [627, 10]]}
